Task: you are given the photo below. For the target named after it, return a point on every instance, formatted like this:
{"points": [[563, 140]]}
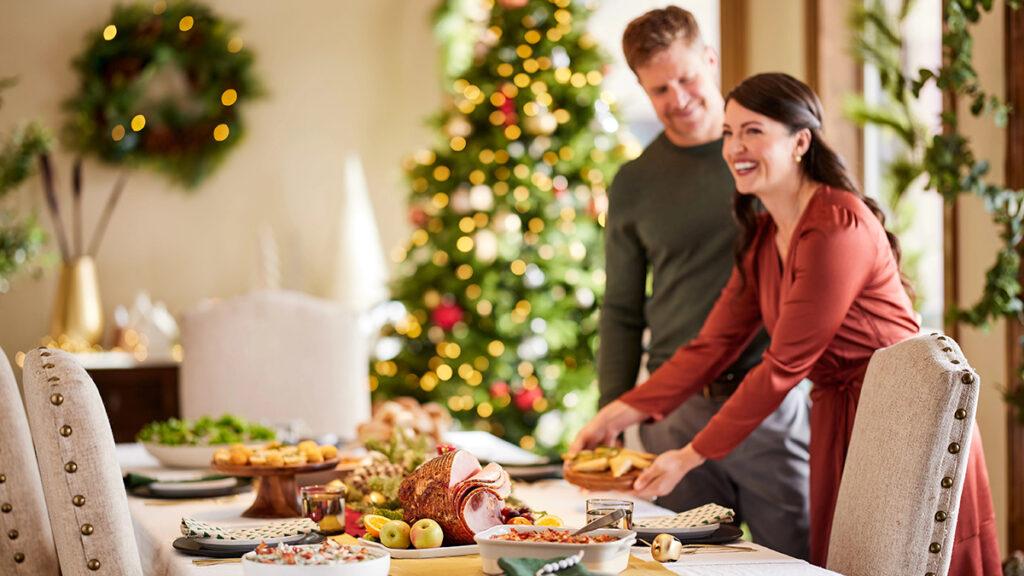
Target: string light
{"points": [[444, 372], [186, 23], [235, 45], [221, 132], [495, 348], [138, 122], [117, 133], [229, 97], [109, 32]]}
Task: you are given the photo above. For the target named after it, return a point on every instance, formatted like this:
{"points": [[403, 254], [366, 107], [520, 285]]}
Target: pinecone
{"points": [[361, 476]]}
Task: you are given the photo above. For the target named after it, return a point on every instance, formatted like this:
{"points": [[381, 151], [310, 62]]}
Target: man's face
{"points": [[681, 83]]}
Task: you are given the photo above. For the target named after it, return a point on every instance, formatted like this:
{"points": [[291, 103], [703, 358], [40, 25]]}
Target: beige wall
{"points": [[979, 243], [776, 37], [343, 76]]}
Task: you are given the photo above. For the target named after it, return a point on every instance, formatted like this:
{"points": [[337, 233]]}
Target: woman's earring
{"points": [[797, 158]]}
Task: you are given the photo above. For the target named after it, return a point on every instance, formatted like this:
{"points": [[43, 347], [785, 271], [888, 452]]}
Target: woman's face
{"points": [[761, 153]]}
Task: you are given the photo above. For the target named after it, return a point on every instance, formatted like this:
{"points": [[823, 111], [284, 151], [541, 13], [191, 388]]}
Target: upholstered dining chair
{"points": [[84, 493], [896, 511], [279, 357], [26, 542]]}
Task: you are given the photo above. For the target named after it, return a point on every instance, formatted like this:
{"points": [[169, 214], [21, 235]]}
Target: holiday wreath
{"points": [[161, 86]]}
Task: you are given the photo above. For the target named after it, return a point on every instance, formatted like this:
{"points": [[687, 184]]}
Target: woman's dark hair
{"points": [[792, 103]]}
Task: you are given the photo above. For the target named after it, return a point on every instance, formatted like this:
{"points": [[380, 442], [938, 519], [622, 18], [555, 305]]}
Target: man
{"points": [[670, 215]]}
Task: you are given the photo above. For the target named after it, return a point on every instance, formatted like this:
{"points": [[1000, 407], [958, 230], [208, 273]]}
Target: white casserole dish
{"points": [[606, 558], [378, 565]]}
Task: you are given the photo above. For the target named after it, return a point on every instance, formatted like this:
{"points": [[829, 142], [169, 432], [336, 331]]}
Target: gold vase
{"points": [[77, 312]]}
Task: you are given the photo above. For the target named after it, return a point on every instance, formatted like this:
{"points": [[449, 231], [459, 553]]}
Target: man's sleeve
{"points": [[622, 312]]}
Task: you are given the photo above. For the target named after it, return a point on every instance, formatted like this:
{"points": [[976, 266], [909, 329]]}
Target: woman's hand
{"points": [[606, 426], [668, 469]]}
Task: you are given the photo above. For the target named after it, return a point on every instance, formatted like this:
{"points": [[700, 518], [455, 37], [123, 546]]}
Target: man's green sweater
{"points": [[670, 213]]}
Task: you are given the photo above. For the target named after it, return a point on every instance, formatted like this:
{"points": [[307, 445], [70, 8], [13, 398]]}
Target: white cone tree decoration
{"points": [[360, 271]]}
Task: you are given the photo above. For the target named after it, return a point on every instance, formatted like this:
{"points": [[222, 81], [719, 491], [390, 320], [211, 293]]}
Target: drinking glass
{"points": [[597, 507], [324, 505]]}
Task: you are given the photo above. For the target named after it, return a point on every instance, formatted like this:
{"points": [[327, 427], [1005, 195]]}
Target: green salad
{"points": [[227, 429]]}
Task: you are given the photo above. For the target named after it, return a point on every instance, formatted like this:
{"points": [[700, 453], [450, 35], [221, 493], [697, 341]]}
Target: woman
{"points": [[819, 271]]}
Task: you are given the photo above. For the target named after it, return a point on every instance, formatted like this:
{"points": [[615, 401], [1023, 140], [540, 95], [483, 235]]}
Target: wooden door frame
{"points": [[733, 33], [833, 72], [1014, 36]]}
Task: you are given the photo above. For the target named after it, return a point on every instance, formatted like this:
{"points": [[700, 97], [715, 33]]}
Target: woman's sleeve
{"points": [[728, 329], [831, 267]]}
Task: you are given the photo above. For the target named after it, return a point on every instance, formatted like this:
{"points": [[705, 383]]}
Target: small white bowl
{"points": [[379, 565]]}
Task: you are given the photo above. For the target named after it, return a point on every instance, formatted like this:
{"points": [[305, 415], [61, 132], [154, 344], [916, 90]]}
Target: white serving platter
{"points": [[414, 553]]}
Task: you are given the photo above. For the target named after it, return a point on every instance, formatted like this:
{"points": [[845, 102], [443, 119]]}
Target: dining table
{"points": [[157, 523]]}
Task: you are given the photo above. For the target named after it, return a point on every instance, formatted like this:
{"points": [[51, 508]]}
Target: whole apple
{"points": [[426, 533], [395, 534]]}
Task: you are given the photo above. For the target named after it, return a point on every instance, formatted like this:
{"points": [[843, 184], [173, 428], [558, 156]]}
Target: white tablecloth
{"points": [[156, 524]]}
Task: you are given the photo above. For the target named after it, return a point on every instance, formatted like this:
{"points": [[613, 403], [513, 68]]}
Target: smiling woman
{"points": [[829, 298]]}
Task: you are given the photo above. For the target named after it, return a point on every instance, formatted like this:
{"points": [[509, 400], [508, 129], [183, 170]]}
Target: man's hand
{"points": [[666, 472], [606, 426]]}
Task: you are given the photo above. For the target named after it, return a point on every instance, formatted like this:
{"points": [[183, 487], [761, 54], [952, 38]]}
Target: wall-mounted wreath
{"points": [[162, 86]]}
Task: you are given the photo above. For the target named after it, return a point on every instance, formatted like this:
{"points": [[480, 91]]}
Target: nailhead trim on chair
{"points": [[940, 527], [70, 468]]}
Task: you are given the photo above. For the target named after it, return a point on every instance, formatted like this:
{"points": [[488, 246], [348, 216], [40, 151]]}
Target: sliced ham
{"points": [[490, 473], [453, 490]]}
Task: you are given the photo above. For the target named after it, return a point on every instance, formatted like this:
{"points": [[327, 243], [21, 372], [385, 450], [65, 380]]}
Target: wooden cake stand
{"points": [[602, 481], [278, 494]]}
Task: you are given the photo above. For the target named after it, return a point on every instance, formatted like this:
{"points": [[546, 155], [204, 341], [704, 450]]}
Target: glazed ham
{"points": [[453, 490]]}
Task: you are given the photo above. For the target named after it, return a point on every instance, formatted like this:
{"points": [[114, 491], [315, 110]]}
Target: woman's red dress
{"points": [[835, 299]]}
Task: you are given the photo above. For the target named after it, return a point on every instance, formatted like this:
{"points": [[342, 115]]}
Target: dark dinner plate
{"points": [[726, 533], [194, 548], [242, 485]]}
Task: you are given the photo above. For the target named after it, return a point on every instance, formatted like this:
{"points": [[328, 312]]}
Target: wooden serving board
{"points": [[602, 481]]}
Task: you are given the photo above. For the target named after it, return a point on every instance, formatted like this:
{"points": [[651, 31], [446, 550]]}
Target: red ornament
{"points": [[499, 389], [525, 398], [418, 216], [512, 4], [508, 107], [446, 315]]}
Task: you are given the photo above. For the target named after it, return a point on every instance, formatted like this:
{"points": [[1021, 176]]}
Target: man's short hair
{"points": [[657, 30]]}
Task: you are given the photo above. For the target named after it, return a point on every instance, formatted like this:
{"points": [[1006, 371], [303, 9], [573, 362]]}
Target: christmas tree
{"points": [[500, 282]]}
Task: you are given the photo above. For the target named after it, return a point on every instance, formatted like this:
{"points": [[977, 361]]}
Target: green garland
{"points": [[21, 238], [946, 159], [116, 117]]}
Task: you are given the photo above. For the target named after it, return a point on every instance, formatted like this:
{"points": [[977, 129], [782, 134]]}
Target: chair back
{"points": [[26, 542], [277, 357], [84, 493], [896, 512]]}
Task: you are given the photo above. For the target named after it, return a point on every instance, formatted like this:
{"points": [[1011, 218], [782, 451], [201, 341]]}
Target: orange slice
{"points": [[373, 524]]}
